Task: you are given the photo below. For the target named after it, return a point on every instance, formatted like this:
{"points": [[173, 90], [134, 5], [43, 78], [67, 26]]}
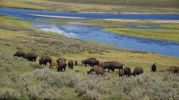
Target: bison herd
{"points": [[97, 67]]}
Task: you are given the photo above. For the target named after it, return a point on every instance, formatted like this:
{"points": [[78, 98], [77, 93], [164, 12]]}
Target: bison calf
{"points": [[154, 67]]}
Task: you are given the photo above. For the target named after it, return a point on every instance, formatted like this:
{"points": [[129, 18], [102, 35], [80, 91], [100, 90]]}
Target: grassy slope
{"points": [[162, 3], [98, 6], [20, 79]]}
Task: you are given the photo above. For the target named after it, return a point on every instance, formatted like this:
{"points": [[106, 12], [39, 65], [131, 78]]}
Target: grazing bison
{"points": [[20, 54], [90, 61], [31, 56], [127, 71], [70, 64], [76, 63], [61, 64], [174, 69], [137, 71], [97, 70], [154, 67], [61, 59], [44, 60], [111, 65]]}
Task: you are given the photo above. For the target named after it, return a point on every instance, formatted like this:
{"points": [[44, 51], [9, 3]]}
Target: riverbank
{"points": [[119, 7]]}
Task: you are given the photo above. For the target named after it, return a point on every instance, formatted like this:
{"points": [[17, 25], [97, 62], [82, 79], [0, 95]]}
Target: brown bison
{"points": [[111, 65], [154, 67], [20, 54], [70, 64], [174, 69], [137, 71], [97, 70], [127, 71], [61, 59], [90, 61], [76, 63], [44, 60], [61, 64], [31, 56]]}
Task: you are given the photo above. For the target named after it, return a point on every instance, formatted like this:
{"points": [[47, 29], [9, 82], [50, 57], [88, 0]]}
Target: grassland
{"points": [[21, 79], [114, 6], [150, 34]]}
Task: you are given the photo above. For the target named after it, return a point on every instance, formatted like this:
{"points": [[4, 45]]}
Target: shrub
{"points": [[9, 94]]}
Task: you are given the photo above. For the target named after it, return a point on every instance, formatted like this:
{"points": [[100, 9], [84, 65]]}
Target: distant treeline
{"points": [[148, 3]]}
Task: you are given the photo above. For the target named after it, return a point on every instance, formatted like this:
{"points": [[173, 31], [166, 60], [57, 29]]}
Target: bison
{"points": [[127, 71], [61, 64], [154, 67], [76, 63], [90, 61], [31, 56], [97, 70], [20, 54], [111, 65], [137, 71], [44, 60], [61, 59], [174, 69], [70, 64]]}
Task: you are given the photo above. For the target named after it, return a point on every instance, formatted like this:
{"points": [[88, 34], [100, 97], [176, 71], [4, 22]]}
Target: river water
{"points": [[84, 32]]}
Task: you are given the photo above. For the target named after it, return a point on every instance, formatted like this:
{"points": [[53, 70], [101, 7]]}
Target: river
{"points": [[84, 32]]}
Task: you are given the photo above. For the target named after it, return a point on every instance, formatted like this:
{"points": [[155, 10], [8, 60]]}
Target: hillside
{"points": [[21, 79], [109, 6]]}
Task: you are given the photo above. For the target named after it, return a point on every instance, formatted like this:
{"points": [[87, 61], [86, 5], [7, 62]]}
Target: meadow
{"points": [[21, 79]]}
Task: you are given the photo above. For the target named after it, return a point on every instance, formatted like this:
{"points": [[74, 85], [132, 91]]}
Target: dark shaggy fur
{"points": [[174, 69], [127, 71], [70, 64], [20, 54], [61, 59], [112, 65], [137, 71], [154, 67], [76, 63], [31, 56], [90, 61], [44, 60], [61, 64]]}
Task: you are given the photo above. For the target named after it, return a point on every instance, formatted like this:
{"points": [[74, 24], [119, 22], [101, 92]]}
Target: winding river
{"points": [[84, 32]]}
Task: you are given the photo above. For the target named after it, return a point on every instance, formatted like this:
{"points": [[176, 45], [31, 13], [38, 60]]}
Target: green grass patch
{"points": [[153, 34], [11, 21]]}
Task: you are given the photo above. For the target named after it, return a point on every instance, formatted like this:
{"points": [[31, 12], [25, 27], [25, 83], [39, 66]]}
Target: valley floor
{"points": [[21, 79]]}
